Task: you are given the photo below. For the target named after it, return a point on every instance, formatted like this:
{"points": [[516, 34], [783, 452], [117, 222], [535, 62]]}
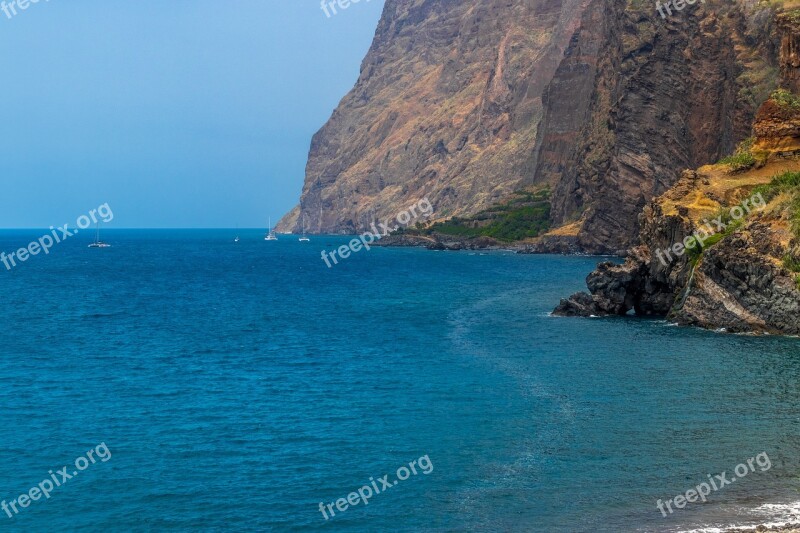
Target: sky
{"points": [[178, 114]]}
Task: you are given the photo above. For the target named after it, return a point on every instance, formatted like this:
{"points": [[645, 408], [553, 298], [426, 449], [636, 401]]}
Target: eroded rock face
{"points": [[666, 95], [738, 284], [446, 107], [777, 128], [648, 281], [464, 102], [789, 26], [741, 286]]}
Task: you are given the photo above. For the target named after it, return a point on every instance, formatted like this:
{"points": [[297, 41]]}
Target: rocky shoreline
{"points": [[743, 275], [739, 284], [765, 529], [436, 241]]}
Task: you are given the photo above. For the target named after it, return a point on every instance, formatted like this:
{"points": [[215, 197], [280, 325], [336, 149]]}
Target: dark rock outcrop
{"points": [[740, 283], [740, 286], [552, 244], [789, 27]]}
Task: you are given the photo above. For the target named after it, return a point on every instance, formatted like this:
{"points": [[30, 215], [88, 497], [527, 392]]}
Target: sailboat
{"points": [[97, 242], [304, 238], [270, 232]]}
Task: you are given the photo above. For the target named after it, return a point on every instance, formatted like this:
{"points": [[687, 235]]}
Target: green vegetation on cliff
{"points": [[786, 183], [696, 250], [786, 99], [525, 215], [743, 157], [792, 264]]}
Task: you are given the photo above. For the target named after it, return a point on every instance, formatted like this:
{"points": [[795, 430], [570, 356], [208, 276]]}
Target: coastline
{"points": [[440, 242], [763, 528], [780, 517], [795, 528], [542, 245]]}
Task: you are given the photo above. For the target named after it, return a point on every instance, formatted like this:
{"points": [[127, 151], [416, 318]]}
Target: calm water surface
{"points": [[237, 386]]}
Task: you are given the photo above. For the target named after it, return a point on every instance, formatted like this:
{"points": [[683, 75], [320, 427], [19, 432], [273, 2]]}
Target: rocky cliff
{"points": [[447, 106], [747, 281], [720, 249], [655, 96], [603, 100]]}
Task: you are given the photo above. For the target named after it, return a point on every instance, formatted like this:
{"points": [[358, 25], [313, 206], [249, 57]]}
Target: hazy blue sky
{"points": [[179, 113]]}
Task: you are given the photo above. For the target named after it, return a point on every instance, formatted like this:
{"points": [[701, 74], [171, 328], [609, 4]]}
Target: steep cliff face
{"points": [[742, 286], [788, 24], [569, 95], [745, 282], [447, 106], [667, 94], [602, 100], [740, 272]]}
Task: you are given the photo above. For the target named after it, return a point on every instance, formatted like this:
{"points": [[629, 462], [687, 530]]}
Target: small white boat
{"points": [[270, 233], [97, 242], [304, 238]]}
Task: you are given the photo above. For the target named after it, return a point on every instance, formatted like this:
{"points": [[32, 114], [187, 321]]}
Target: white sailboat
{"points": [[97, 242], [270, 232], [304, 238]]}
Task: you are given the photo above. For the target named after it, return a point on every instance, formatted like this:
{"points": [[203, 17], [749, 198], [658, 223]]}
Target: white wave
{"points": [[772, 515]]}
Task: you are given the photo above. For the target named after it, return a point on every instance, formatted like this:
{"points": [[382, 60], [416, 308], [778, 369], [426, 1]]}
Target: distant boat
{"points": [[97, 242], [237, 234], [304, 238], [270, 232]]}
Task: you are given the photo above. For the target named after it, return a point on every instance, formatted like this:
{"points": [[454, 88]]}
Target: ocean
{"points": [[185, 382]]}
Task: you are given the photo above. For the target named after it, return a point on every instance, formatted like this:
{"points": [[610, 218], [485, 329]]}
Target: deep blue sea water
{"points": [[237, 386]]}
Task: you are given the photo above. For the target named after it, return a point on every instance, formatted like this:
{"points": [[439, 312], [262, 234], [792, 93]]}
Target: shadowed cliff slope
{"points": [[638, 99]]}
